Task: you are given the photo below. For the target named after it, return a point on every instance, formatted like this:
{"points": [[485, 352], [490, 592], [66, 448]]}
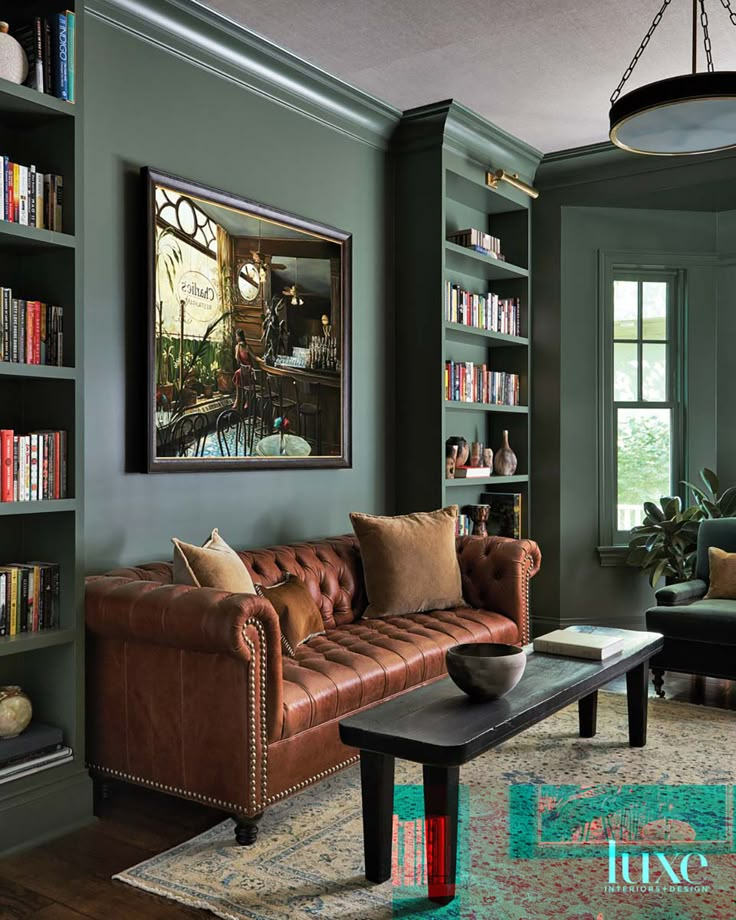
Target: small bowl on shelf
{"points": [[486, 670]]}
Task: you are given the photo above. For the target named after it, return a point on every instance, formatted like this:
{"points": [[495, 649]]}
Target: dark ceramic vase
{"points": [[463, 449]]}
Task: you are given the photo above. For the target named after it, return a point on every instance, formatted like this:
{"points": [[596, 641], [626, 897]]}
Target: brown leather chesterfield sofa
{"points": [[188, 692]]}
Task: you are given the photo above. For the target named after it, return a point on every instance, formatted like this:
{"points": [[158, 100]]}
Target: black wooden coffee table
{"points": [[439, 727]]}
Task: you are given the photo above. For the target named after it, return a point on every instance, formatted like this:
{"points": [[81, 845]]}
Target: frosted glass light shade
{"points": [[689, 114]]}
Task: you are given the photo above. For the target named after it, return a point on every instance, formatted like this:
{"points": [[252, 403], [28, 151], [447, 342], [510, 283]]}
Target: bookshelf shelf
{"points": [[19, 104], [487, 481], [475, 263], [443, 153], [16, 237], [461, 332], [39, 129], [484, 407], [43, 507], [28, 642], [37, 371]]}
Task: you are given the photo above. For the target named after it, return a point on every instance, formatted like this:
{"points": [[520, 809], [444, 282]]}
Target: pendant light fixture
{"points": [[682, 115]]}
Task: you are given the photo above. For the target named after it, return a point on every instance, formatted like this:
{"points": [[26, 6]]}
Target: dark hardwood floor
{"points": [[70, 878]]}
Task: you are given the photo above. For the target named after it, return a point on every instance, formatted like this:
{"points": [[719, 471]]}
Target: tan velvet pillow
{"points": [[722, 581], [214, 565], [409, 561], [299, 617]]}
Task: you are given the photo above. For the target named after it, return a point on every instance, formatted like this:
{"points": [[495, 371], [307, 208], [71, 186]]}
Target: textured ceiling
{"points": [[541, 69]]}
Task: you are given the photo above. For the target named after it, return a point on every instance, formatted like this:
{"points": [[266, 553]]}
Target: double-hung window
{"points": [[642, 422]]}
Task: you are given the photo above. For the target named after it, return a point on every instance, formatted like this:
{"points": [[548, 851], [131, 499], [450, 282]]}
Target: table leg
{"points": [[587, 713], [440, 811], [637, 687], [377, 789]]}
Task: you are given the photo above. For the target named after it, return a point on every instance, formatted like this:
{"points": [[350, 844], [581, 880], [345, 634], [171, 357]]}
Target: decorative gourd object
{"points": [[13, 60], [15, 711], [505, 462]]}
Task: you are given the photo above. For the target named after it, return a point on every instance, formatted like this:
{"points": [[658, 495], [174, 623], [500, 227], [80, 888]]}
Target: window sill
{"points": [[613, 555]]}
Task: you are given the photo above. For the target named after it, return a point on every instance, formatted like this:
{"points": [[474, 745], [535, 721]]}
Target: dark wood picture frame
{"points": [[161, 459]]}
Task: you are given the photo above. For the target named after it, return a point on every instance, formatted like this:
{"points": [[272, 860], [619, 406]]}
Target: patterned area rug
{"points": [[308, 861]]}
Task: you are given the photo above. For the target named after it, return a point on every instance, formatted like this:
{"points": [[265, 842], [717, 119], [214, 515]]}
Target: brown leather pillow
{"points": [[722, 581], [214, 565], [299, 617], [409, 561]]}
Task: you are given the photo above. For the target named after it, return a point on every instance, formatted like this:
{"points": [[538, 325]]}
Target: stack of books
{"points": [[478, 241], [482, 311], [33, 467], [472, 472], [31, 332], [463, 526], [31, 198], [29, 597], [50, 43], [470, 382], [39, 747]]}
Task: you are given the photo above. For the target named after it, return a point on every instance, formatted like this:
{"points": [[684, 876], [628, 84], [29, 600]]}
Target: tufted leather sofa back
{"points": [[331, 569]]}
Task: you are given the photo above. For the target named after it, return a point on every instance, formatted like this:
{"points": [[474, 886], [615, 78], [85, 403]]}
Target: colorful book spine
{"points": [[30, 597], [470, 382], [33, 467]]}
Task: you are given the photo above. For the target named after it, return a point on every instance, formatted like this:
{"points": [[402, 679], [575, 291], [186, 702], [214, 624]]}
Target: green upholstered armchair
{"points": [[699, 634]]}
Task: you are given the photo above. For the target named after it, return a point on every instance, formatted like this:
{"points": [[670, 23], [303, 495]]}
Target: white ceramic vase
{"points": [[13, 60]]}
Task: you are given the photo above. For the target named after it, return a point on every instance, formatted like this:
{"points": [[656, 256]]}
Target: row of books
{"points": [[463, 525], [470, 382], [33, 467], [29, 597], [478, 241], [482, 311], [31, 332], [50, 43], [39, 747], [31, 198]]}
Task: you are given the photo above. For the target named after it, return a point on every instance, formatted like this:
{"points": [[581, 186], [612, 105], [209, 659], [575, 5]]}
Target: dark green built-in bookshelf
{"points": [[442, 154], [49, 665]]}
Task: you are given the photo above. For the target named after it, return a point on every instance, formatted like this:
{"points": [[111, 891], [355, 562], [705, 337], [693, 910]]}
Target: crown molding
{"points": [[458, 128], [602, 162], [215, 43]]}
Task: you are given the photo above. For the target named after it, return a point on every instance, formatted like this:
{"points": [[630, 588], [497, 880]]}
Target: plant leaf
{"points": [[710, 479], [653, 512]]}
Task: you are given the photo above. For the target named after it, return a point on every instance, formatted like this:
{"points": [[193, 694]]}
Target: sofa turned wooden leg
{"points": [[658, 681], [246, 830]]}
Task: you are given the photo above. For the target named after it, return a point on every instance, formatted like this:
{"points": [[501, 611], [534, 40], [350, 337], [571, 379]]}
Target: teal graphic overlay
{"points": [[409, 898], [559, 822]]}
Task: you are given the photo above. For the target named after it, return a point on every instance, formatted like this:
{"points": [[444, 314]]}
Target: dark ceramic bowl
{"points": [[486, 670]]}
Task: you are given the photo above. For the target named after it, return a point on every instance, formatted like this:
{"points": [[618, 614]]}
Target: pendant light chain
{"points": [[726, 4], [642, 47], [706, 36]]}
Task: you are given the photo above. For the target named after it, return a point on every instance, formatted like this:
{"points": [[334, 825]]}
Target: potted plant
{"points": [[664, 546]]}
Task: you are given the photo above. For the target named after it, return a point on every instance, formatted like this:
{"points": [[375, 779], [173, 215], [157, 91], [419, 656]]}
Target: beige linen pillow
{"points": [[722, 581], [409, 561], [214, 565]]}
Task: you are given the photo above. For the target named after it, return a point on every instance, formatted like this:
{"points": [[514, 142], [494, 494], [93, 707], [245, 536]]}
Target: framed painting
{"points": [[249, 333]]}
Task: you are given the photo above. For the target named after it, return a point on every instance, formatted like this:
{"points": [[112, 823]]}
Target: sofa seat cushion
{"points": [[361, 663], [712, 621]]}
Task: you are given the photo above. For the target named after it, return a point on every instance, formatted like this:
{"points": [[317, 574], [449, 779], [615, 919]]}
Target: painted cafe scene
{"points": [[249, 333]]}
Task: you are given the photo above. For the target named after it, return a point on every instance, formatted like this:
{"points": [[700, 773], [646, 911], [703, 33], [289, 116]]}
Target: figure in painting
{"points": [[275, 337], [242, 359]]}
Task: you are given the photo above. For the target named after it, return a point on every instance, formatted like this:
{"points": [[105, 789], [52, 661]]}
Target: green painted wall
{"points": [[147, 107], [570, 229]]}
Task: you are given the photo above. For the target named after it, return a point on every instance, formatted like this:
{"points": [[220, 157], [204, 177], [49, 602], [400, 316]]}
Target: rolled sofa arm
{"points": [[682, 593], [180, 616], [184, 689], [496, 573]]}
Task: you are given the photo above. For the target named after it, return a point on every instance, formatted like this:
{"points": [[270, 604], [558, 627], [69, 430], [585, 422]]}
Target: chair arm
{"points": [[188, 619], [495, 573], [682, 593]]}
